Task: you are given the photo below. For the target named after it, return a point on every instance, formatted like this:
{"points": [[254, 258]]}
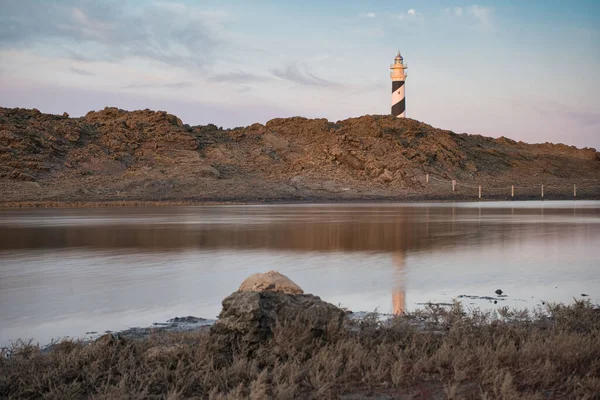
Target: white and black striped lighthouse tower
{"points": [[398, 76]]}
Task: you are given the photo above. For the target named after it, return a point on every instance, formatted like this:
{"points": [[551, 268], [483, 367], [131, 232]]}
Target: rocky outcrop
{"points": [[265, 300], [114, 154], [32, 144], [252, 316], [271, 281]]}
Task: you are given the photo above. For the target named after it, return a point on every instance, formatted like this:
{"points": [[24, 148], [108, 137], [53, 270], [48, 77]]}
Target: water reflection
{"points": [[399, 294], [351, 228], [63, 269]]}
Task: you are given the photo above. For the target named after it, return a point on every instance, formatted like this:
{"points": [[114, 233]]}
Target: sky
{"points": [[527, 70]]}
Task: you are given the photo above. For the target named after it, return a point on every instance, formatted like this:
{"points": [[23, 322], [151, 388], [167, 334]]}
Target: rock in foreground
{"points": [[271, 281], [266, 299], [252, 316]]}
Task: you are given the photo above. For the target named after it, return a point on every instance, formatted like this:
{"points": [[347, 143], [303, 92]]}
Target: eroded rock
{"points": [[252, 316], [271, 281], [376, 155]]}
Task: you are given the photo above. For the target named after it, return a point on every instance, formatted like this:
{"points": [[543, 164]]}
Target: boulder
{"points": [[386, 176], [271, 281], [252, 316]]}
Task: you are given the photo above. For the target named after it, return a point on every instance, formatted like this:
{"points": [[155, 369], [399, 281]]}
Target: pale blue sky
{"points": [[522, 69]]}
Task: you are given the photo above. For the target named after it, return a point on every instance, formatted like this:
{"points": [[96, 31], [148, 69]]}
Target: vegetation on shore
{"points": [[433, 353]]}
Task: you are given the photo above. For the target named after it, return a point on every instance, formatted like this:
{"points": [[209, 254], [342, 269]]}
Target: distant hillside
{"points": [[145, 155]]}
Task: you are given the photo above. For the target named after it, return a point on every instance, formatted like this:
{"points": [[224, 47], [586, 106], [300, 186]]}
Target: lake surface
{"points": [[65, 272]]}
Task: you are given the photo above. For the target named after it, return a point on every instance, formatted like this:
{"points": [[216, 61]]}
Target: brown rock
{"points": [[260, 162], [21, 176], [386, 176], [350, 160], [275, 142], [271, 281], [252, 316]]}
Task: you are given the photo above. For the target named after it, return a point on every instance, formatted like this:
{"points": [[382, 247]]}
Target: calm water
{"points": [[71, 271]]}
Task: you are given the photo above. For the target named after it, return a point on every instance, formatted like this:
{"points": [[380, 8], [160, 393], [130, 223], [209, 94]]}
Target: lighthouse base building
{"points": [[398, 76]]}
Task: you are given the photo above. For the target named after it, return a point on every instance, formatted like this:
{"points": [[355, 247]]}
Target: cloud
{"points": [[368, 15], [483, 15], [168, 85], [79, 71], [456, 11], [411, 14], [238, 77], [302, 76], [169, 33]]}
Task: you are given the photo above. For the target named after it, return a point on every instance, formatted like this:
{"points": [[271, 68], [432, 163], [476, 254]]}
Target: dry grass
{"points": [[435, 353]]}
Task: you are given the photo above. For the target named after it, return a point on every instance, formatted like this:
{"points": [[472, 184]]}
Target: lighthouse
{"points": [[398, 76]]}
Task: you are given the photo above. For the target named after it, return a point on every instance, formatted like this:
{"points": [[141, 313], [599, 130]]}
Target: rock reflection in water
{"points": [[350, 230]]}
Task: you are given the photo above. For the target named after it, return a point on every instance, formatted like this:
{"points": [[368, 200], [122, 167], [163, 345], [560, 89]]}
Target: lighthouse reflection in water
{"points": [[68, 272]]}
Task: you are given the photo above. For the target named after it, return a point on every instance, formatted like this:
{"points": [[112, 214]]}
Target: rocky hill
{"points": [[113, 154]]}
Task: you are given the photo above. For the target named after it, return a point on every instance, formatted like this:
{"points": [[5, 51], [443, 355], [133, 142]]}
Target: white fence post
{"points": [[542, 191], [574, 190], [427, 178], [512, 191], [453, 184], [480, 191]]}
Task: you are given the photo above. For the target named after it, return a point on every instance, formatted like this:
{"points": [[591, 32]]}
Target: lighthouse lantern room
{"points": [[398, 76]]}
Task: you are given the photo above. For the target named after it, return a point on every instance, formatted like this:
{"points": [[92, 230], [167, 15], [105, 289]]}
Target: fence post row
{"points": [[512, 188]]}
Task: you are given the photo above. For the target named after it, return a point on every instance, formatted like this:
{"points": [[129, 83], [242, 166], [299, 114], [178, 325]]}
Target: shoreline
{"points": [[190, 323], [26, 204]]}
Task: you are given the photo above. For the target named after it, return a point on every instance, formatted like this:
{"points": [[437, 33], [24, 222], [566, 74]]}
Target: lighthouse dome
{"points": [[399, 56]]}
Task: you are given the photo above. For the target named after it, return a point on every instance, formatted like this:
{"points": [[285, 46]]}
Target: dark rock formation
{"points": [[252, 316]]}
